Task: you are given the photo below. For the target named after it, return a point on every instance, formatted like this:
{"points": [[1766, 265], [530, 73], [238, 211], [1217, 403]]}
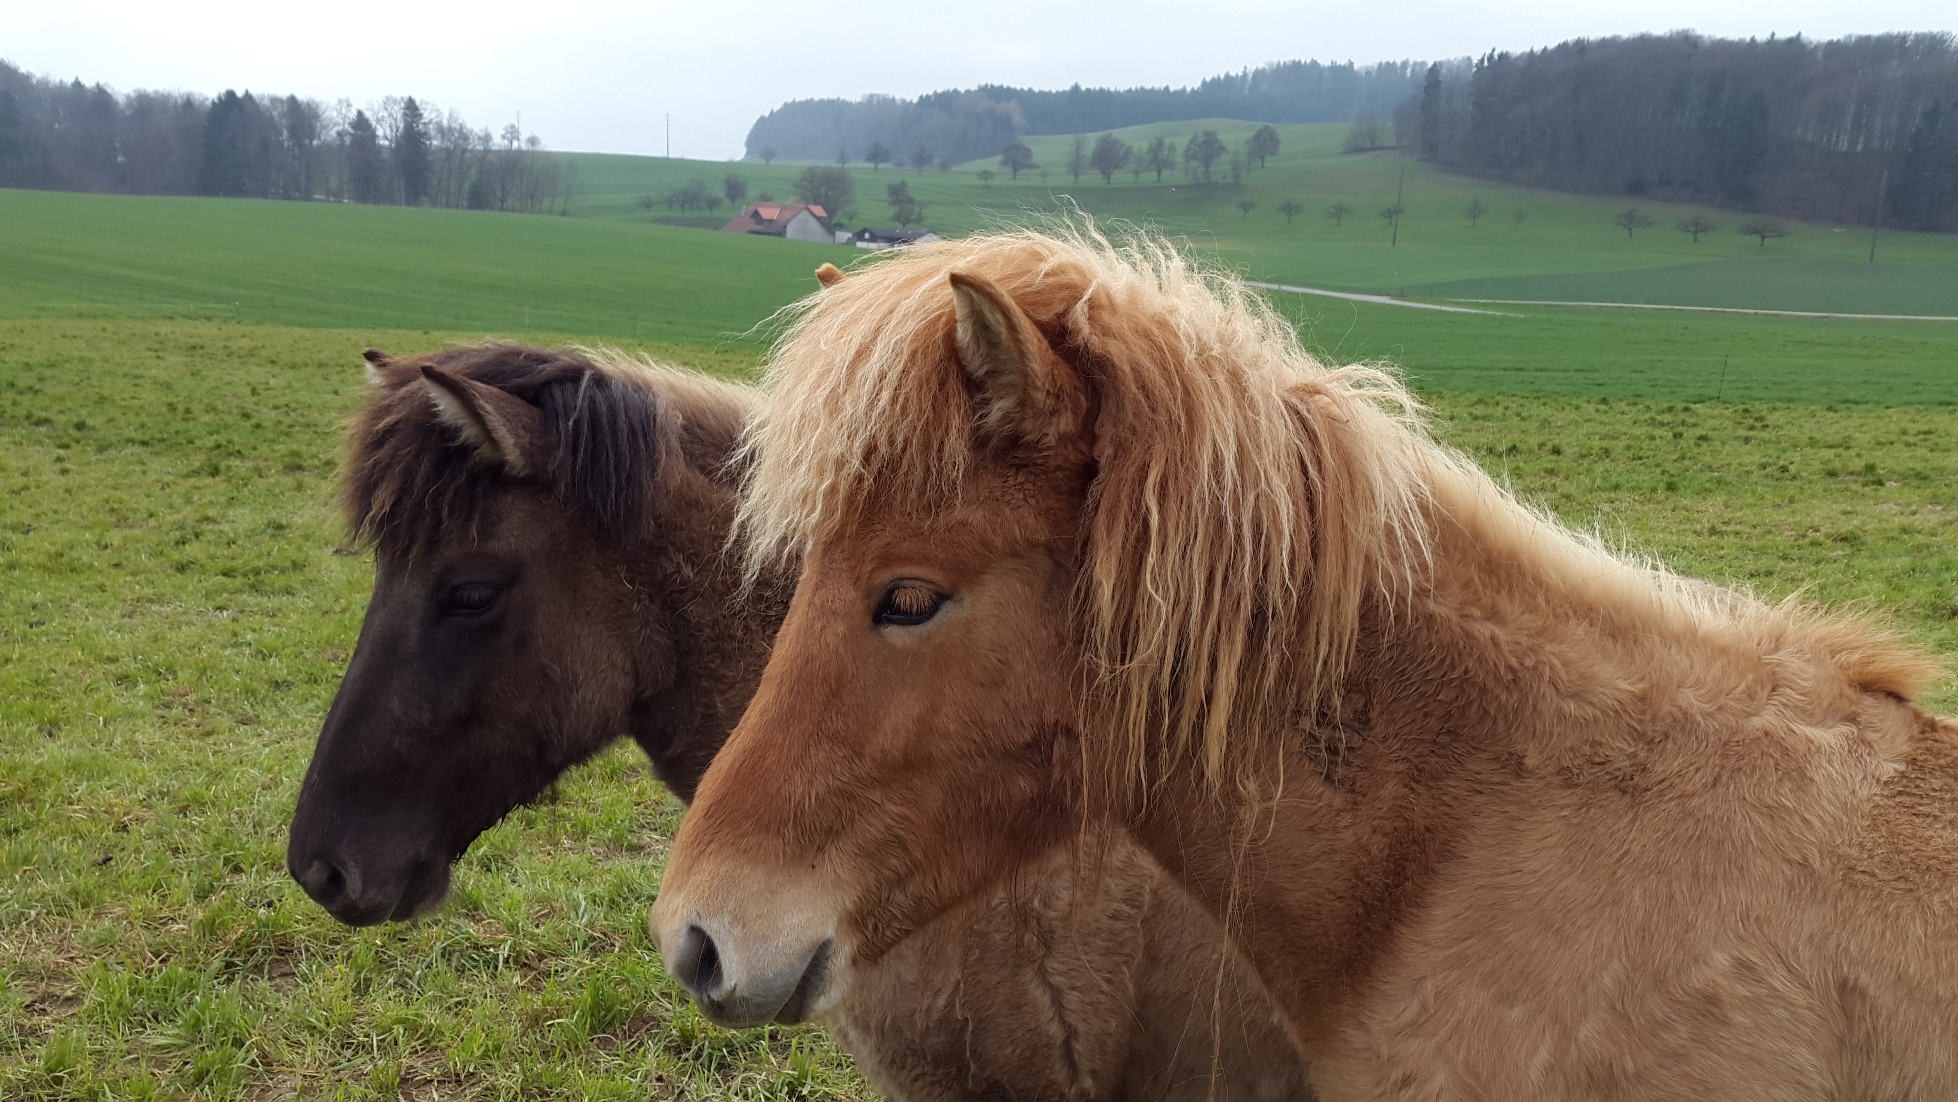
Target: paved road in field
{"points": [[1381, 299], [1700, 309]]}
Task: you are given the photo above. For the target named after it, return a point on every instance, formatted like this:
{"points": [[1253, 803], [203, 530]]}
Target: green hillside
{"points": [[331, 264], [1565, 247], [699, 296]]}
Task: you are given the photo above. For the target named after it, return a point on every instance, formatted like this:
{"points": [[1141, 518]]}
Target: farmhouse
{"points": [[885, 237], [795, 221]]}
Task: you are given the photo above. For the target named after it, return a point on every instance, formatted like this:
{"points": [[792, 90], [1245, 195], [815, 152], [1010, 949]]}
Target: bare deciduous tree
{"points": [[1201, 154], [1474, 211], [1016, 158], [1338, 212], [1764, 229], [1291, 208], [1263, 143], [1110, 154], [1631, 219], [1696, 224]]}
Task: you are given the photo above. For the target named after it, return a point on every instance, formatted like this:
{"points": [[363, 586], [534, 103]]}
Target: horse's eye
{"points": [[471, 598], [907, 604]]}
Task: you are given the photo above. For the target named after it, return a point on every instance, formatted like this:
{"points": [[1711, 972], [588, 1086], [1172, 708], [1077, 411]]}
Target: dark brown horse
{"points": [[548, 530]]}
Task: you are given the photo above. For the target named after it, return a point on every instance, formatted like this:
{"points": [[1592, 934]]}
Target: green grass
{"points": [[343, 265], [180, 605], [584, 280], [1439, 253]]}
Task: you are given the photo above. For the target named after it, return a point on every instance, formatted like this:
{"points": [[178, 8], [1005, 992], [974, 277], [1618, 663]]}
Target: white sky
{"points": [[603, 74]]}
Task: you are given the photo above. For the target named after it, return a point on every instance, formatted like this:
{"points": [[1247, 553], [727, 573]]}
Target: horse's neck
{"points": [[1511, 663], [719, 629]]}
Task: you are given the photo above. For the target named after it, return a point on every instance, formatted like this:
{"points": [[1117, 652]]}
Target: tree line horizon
{"points": [[1861, 130], [67, 136]]}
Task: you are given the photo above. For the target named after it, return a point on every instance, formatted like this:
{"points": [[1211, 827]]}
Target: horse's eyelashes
{"points": [[907, 604]]}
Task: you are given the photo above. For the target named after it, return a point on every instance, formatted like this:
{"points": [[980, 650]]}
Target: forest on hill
{"points": [[1825, 131], [960, 125], [68, 136]]}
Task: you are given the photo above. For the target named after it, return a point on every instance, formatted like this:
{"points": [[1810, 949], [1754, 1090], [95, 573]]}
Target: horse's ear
{"points": [[829, 275], [505, 430], [375, 360], [1023, 397]]}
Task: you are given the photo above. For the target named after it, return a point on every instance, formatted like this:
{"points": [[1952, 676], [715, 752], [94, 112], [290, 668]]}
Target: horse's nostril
{"points": [[697, 964], [324, 881]]}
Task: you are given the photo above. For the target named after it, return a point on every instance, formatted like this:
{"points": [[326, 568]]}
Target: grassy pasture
{"points": [[417, 270], [1565, 247], [180, 603]]}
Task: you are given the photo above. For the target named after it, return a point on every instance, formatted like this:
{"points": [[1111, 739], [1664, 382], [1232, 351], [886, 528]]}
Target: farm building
{"points": [[795, 221], [885, 237]]}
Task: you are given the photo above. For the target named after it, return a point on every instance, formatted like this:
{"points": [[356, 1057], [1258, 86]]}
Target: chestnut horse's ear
{"points": [[829, 275], [1022, 395], [505, 430]]}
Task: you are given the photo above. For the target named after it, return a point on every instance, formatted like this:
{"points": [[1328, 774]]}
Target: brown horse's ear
{"points": [[1022, 394], [829, 275], [375, 361], [505, 430]]}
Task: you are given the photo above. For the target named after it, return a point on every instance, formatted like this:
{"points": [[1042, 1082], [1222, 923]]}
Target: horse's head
{"points": [[913, 736], [521, 617], [1072, 514]]}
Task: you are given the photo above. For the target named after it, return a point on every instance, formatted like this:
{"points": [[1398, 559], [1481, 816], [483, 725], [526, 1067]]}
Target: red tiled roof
{"points": [[771, 218]]}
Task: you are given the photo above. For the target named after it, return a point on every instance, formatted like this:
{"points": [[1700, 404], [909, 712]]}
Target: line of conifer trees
{"points": [[962, 125], [1826, 131], [74, 137]]}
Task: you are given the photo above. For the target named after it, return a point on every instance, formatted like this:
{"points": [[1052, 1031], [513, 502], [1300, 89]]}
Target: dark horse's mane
{"points": [[410, 481]]}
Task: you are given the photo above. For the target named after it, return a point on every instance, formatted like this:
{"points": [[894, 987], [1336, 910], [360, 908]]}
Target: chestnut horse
{"points": [[548, 529], [1493, 812]]}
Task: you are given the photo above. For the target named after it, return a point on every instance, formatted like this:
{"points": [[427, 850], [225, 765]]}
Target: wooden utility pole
{"points": [[1877, 222], [669, 136], [1399, 191]]}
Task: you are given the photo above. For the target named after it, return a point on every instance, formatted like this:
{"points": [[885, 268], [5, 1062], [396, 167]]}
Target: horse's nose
{"points": [[324, 881], [696, 963]]}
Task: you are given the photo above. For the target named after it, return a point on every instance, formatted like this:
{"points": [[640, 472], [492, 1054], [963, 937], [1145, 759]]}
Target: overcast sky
{"points": [[604, 74]]}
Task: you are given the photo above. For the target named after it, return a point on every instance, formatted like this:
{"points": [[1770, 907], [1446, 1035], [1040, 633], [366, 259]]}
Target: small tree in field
{"points": [[768, 156], [1696, 224], [1517, 216], [826, 187], [1263, 144], [1245, 207], [904, 207], [735, 188], [1338, 212], [1392, 213], [878, 155], [921, 159], [986, 177], [1160, 157], [1291, 208], [1110, 154], [1763, 228], [1016, 158], [1474, 211], [1630, 219], [1077, 157], [1202, 153]]}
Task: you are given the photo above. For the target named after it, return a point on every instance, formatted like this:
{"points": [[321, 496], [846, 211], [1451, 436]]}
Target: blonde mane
{"points": [[1247, 499]]}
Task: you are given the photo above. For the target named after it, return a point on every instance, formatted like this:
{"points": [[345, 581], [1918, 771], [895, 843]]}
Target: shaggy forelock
{"points": [[410, 482], [1226, 459]]}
